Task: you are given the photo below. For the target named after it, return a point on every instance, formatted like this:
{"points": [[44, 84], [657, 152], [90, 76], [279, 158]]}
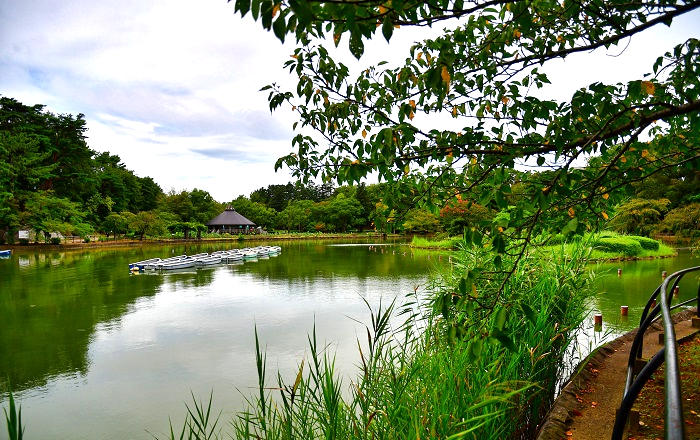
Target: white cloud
{"points": [[173, 87]]}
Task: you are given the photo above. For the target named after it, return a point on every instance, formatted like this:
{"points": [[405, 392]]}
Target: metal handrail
{"points": [[673, 425]]}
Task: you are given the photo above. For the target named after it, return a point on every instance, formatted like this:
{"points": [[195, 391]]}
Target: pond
{"points": [[95, 352], [634, 287]]}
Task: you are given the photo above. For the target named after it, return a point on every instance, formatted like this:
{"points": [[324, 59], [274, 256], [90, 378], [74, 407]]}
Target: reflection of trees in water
{"points": [[309, 262], [51, 303], [50, 306]]}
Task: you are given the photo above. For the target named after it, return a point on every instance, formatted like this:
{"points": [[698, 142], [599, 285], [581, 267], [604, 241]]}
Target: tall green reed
{"points": [[479, 357], [13, 419]]}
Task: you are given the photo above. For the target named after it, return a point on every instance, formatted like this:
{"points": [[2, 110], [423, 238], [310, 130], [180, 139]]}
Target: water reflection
{"points": [[82, 338], [634, 287]]}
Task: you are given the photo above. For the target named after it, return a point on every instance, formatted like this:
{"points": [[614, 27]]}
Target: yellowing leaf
{"points": [[571, 212], [364, 133], [325, 100], [560, 38], [648, 87], [411, 115], [454, 111], [516, 33], [604, 214], [382, 9], [412, 103], [420, 55], [505, 100], [500, 229], [606, 196], [445, 74], [623, 159]]}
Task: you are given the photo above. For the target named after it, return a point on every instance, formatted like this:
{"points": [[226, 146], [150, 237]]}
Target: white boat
{"points": [[233, 257], [210, 261], [182, 264], [250, 255], [5, 253], [140, 264]]}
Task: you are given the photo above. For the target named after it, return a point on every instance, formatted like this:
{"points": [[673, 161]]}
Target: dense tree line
{"points": [[51, 181]]}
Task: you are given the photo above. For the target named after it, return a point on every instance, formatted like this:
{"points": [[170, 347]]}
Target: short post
{"points": [[696, 319], [661, 338], [663, 275], [598, 322], [624, 310], [675, 291], [653, 304], [619, 272]]}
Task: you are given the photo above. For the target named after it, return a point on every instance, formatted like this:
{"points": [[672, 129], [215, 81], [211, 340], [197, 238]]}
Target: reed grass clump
{"points": [[479, 357]]}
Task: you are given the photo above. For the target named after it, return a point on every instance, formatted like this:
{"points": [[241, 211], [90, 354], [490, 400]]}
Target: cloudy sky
{"points": [[172, 86]]}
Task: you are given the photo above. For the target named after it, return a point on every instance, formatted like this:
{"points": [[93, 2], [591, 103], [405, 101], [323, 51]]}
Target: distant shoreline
{"points": [[146, 242]]}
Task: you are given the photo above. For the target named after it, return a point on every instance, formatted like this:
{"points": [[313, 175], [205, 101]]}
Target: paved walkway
{"points": [[587, 405]]}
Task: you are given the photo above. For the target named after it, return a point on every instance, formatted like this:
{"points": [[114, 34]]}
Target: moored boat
{"points": [[182, 264], [210, 261]]}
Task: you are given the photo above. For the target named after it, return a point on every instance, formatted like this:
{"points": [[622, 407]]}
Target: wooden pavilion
{"points": [[231, 222]]}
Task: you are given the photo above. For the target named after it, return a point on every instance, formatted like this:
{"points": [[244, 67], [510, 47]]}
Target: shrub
{"points": [[24, 241], [55, 240], [86, 240], [619, 245], [646, 242], [240, 237], [684, 221]]}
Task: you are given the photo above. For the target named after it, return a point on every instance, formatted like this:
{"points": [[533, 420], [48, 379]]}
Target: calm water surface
{"points": [[635, 286], [97, 353]]}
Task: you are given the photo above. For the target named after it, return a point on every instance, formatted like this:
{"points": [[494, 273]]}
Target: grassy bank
{"points": [[449, 243], [471, 359], [606, 245]]}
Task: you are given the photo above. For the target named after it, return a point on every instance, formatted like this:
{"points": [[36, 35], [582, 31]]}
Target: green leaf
{"points": [[570, 227], [504, 339], [475, 348], [499, 320], [463, 286], [356, 45], [529, 313], [279, 28], [387, 28], [243, 6]]}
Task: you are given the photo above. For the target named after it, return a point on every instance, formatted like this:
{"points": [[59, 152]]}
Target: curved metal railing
{"points": [[673, 425]]}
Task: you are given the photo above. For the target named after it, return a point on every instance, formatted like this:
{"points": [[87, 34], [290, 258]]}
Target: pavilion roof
{"points": [[229, 218]]}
